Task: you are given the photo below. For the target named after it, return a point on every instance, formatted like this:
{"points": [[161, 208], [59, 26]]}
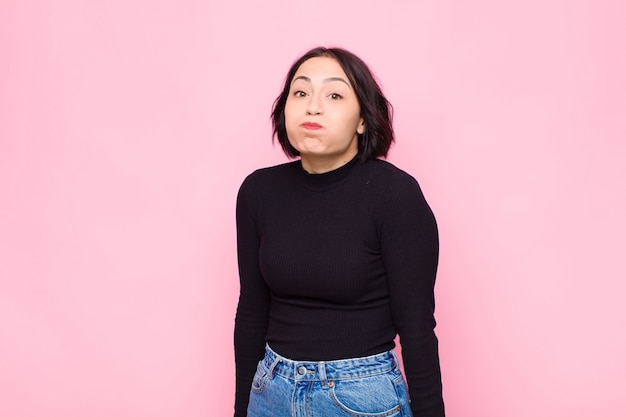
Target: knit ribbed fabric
{"points": [[333, 266]]}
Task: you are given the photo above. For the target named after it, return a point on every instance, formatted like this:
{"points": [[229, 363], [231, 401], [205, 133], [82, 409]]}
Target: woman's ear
{"points": [[361, 128]]}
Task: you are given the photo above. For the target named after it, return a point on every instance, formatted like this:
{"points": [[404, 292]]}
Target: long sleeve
{"points": [[410, 248], [333, 266], [253, 309]]}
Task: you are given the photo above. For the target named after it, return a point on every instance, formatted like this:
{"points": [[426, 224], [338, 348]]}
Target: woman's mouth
{"points": [[311, 126]]}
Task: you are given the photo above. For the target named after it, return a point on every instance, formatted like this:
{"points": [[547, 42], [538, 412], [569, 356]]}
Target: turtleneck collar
{"points": [[327, 180]]}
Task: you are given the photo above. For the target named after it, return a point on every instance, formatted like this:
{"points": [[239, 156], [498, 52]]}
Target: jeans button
{"points": [[301, 370]]}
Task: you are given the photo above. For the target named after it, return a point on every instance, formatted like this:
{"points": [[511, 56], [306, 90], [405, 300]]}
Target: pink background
{"points": [[127, 126]]}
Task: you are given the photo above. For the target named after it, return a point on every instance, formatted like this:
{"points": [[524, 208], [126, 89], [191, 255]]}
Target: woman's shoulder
{"points": [[270, 175], [398, 191], [387, 174]]}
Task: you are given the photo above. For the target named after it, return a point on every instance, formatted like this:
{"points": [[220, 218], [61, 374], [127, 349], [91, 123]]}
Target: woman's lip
{"points": [[311, 126]]}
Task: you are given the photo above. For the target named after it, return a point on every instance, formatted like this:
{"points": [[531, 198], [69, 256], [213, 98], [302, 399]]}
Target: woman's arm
{"points": [[410, 247], [253, 308]]}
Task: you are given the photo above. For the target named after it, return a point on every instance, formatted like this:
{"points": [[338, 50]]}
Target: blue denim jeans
{"points": [[372, 386]]}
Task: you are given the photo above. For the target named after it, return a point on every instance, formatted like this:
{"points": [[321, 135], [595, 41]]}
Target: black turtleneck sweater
{"points": [[333, 266]]}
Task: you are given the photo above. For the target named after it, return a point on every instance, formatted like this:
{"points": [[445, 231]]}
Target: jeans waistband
{"points": [[329, 370]]}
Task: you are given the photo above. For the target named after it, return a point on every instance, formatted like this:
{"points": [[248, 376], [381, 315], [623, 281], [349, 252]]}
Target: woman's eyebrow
{"points": [[325, 80]]}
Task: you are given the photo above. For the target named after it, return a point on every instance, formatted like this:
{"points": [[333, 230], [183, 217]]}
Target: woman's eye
{"points": [[335, 96], [299, 93]]}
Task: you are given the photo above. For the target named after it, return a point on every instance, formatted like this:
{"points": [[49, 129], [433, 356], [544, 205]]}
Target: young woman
{"points": [[337, 255]]}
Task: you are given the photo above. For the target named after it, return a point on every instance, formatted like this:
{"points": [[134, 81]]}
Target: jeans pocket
{"points": [[260, 378], [397, 378], [372, 396]]}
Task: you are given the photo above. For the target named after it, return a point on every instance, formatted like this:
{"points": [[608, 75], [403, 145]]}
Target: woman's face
{"points": [[322, 113]]}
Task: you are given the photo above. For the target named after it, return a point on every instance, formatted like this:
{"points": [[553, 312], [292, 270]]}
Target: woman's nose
{"points": [[314, 106]]}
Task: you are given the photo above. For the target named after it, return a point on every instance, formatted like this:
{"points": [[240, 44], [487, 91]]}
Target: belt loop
{"points": [[273, 365], [321, 367], [395, 358]]}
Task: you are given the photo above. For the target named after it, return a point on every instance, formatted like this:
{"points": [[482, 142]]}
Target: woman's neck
{"points": [[317, 164]]}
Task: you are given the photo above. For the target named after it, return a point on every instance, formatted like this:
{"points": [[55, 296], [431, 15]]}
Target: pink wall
{"points": [[127, 126]]}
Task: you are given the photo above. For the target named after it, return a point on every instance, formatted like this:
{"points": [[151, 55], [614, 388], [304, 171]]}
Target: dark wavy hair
{"points": [[376, 110]]}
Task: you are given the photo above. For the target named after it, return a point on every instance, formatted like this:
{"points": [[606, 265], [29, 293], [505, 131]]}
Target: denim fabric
{"points": [[371, 386]]}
